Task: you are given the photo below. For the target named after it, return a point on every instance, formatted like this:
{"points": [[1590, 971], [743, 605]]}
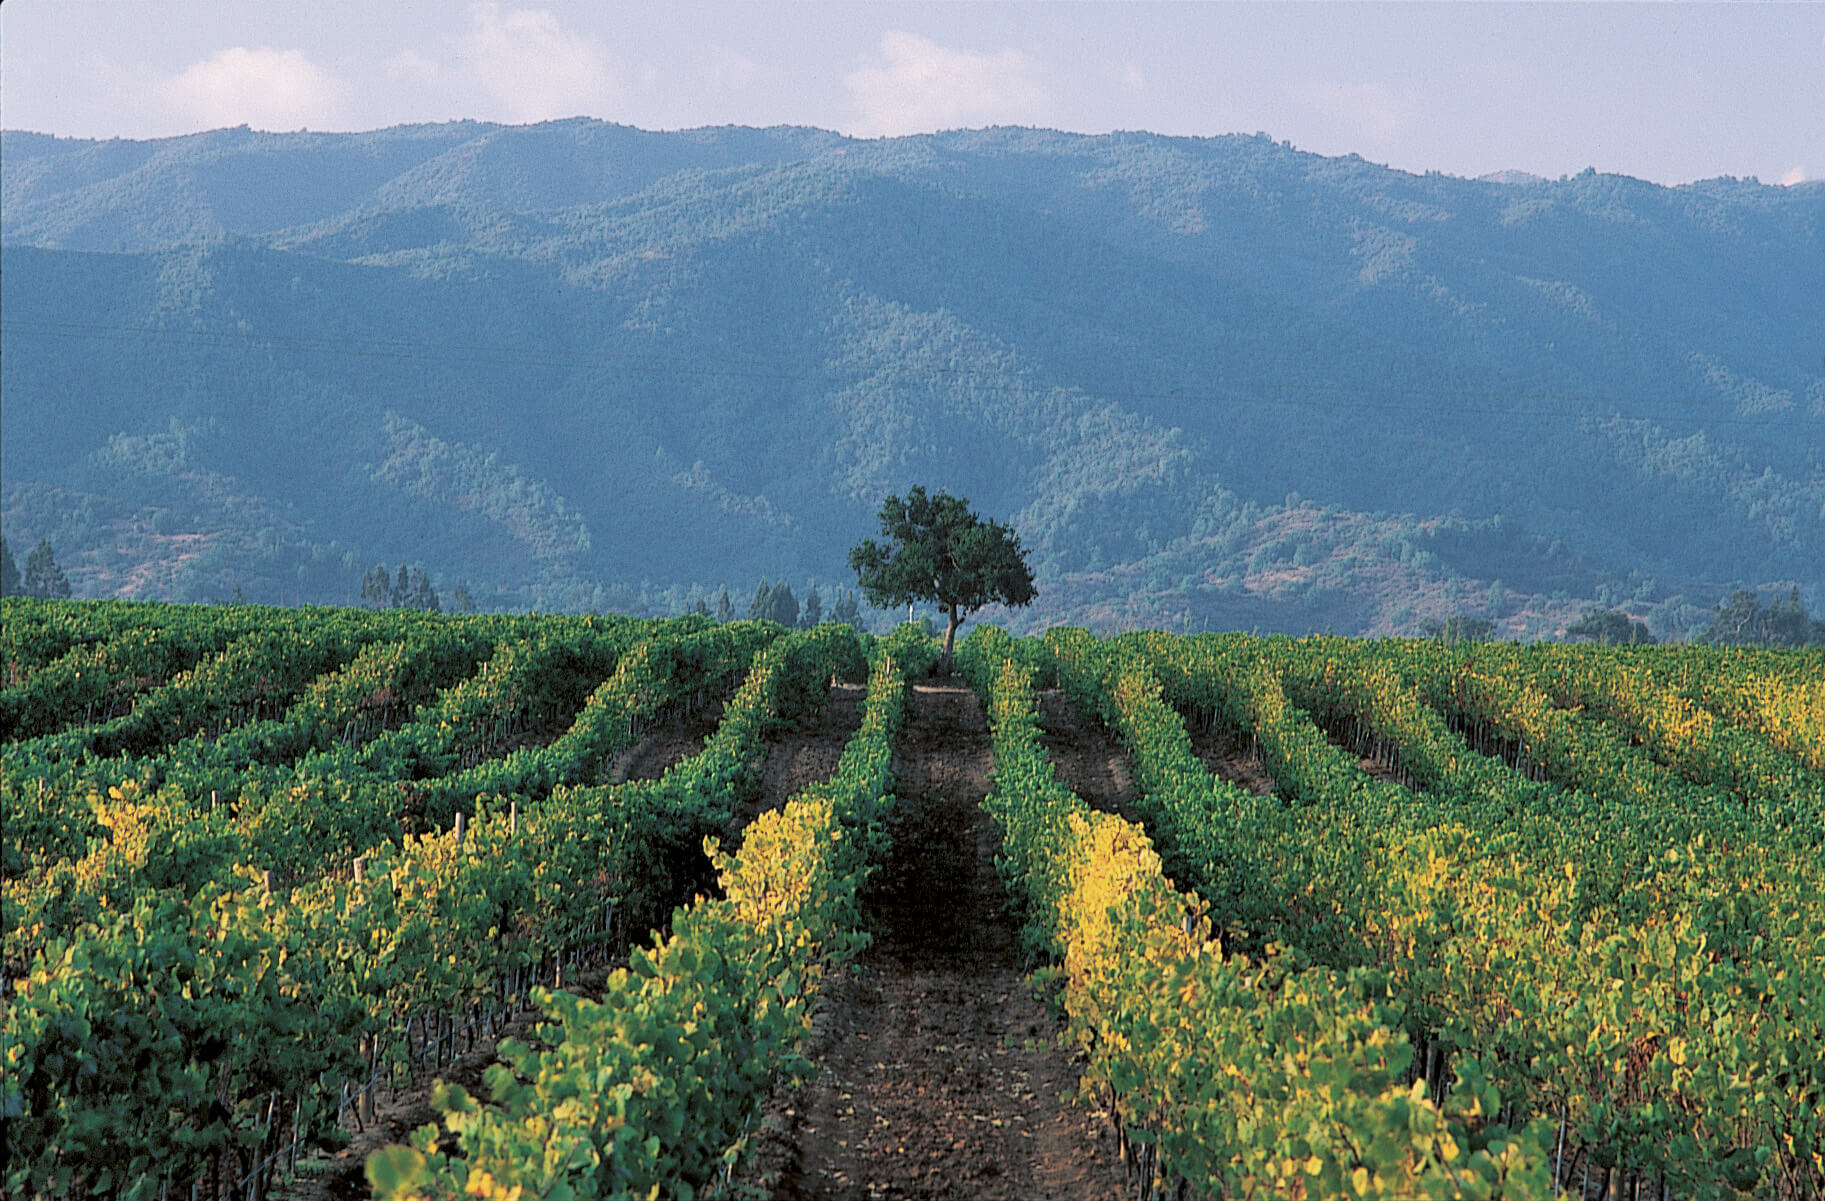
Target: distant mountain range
{"points": [[1212, 382]]}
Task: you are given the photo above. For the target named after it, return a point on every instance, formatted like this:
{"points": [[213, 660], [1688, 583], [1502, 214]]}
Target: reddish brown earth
{"points": [[666, 747], [1087, 757], [1229, 757], [940, 1071], [1383, 770], [810, 755]]}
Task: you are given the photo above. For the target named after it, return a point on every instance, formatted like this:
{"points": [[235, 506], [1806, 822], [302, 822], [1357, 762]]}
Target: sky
{"points": [[1666, 92]]}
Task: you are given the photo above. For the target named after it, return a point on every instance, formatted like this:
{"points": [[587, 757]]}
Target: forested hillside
{"points": [[1210, 381]]}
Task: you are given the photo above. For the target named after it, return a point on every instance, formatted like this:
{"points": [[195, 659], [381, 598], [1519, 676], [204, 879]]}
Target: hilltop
{"points": [[1211, 381]]}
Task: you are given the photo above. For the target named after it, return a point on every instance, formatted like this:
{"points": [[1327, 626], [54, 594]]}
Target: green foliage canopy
{"points": [[774, 602], [9, 572], [1459, 627], [43, 578], [940, 552], [1742, 621], [1609, 627]]}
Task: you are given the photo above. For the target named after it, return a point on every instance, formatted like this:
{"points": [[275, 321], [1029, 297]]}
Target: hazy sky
{"points": [[1669, 92]]}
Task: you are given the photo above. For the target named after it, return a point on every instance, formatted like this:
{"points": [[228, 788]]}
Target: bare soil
{"points": [[1229, 757], [941, 1074], [666, 747], [811, 754], [1087, 756]]}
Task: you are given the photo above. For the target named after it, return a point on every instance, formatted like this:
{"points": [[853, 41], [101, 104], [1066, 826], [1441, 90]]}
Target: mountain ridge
{"points": [[1136, 347]]}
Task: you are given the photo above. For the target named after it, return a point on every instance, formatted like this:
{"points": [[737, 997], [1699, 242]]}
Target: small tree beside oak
{"points": [[939, 552]]}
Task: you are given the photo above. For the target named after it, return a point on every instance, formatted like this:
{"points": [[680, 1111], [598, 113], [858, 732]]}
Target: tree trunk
{"points": [[950, 640]]}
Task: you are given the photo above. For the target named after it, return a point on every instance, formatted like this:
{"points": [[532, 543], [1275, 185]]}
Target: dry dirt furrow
{"points": [[1228, 757], [669, 745], [810, 754], [940, 1072], [1088, 758]]}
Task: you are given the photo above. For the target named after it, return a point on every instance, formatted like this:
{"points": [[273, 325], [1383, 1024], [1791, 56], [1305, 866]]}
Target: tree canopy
{"points": [[774, 602], [1459, 627], [1609, 627], [411, 589], [1742, 621], [940, 552], [9, 571], [43, 577]]}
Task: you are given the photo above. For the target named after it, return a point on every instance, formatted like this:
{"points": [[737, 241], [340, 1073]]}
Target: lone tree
{"points": [[940, 552]]}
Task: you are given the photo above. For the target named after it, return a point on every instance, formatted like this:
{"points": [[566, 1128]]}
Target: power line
{"points": [[1309, 394]]}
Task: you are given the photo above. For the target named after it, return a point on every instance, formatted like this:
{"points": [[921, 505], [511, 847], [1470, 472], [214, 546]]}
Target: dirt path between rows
{"points": [[811, 755], [1228, 756], [802, 756], [669, 745], [1088, 758], [940, 1073]]}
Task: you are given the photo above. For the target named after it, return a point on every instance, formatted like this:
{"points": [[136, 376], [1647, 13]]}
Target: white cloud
{"points": [[413, 67], [265, 88], [534, 67], [732, 70], [1797, 175], [1376, 111], [918, 86]]}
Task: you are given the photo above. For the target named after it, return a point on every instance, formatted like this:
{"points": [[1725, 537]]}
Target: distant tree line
{"points": [[1742, 620], [409, 589], [1608, 627], [41, 578], [1459, 627], [778, 603]]}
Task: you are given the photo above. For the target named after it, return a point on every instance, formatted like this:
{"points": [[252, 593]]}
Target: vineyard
{"points": [[622, 908]]}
